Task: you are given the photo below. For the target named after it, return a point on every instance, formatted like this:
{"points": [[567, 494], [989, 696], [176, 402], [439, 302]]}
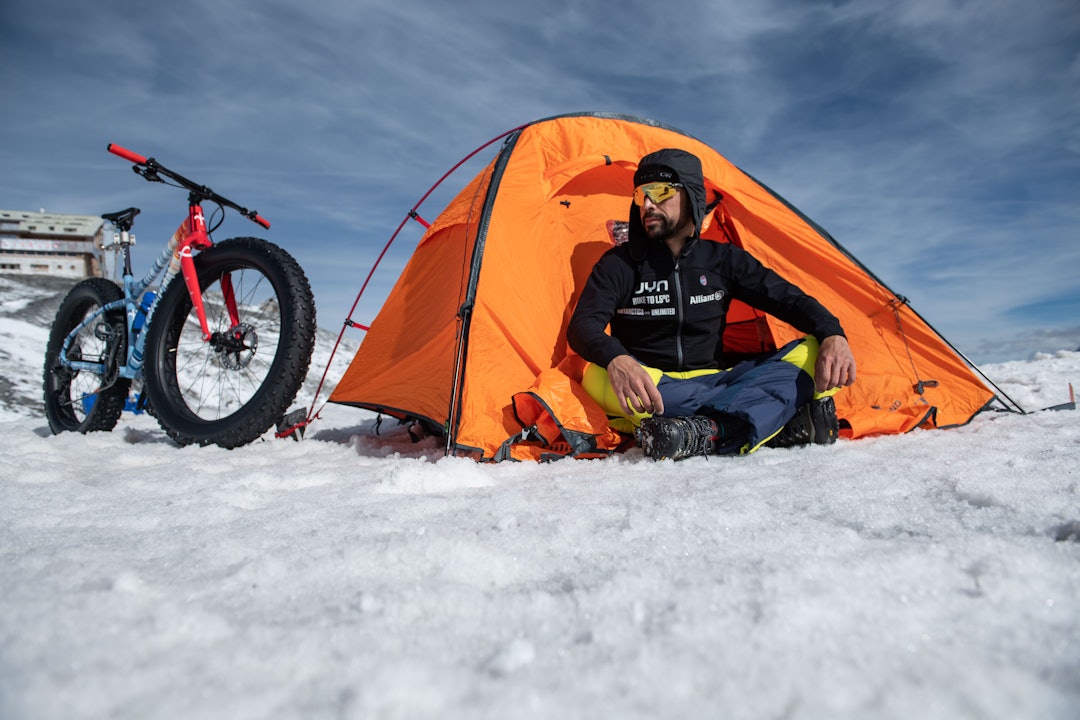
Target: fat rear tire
{"points": [[80, 400]]}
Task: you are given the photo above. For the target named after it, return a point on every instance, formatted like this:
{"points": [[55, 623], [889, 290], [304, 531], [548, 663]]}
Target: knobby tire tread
{"points": [[108, 404], [288, 367]]}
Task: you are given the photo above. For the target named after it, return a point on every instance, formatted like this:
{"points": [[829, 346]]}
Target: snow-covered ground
{"points": [[931, 575]]}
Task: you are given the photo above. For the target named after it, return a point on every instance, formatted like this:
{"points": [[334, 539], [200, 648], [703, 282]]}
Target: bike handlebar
{"points": [[126, 154], [151, 168]]}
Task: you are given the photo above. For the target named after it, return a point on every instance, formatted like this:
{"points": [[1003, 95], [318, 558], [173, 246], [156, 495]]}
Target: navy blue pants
{"points": [[762, 393], [756, 397]]}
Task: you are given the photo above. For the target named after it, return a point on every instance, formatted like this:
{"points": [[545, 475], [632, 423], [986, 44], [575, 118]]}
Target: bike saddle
{"points": [[123, 218]]}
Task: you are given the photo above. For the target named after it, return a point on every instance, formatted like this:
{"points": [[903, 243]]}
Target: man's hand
{"points": [[835, 366], [633, 386]]}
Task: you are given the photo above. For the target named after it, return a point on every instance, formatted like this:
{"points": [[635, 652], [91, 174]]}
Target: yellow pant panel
{"points": [[804, 356], [596, 384]]}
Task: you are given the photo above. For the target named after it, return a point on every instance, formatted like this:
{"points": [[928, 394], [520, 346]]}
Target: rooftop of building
{"points": [[54, 224]]}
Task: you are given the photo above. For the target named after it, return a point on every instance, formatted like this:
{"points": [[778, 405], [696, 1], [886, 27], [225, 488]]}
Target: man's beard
{"points": [[664, 230]]}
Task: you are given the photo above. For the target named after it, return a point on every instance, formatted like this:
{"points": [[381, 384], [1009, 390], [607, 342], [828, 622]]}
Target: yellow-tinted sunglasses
{"points": [[658, 192]]}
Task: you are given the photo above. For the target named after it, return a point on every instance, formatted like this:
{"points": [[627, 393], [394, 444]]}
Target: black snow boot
{"points": [[677, 437], [814, 423]]}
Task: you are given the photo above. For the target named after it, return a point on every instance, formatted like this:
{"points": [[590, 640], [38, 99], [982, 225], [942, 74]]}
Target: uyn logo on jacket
{"points": [[651, 287]]}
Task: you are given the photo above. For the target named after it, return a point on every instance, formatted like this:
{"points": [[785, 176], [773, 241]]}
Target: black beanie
{"points": [[655, 173]]}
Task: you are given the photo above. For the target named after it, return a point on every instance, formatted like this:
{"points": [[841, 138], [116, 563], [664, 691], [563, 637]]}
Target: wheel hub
{"points": [[235, 348]]}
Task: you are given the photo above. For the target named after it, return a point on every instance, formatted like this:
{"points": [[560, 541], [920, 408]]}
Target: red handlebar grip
{"points": [[262, 221], [127, 154]]}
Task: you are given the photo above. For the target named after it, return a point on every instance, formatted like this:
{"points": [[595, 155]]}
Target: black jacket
{"points": [[668, 312], [671, 315]]}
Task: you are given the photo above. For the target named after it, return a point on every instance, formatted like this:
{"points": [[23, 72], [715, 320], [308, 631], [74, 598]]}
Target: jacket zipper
{"points": [[678, 316]]}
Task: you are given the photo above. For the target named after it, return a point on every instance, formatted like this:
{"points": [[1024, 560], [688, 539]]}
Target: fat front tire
{"points": [[81, 400], [231, 389]]}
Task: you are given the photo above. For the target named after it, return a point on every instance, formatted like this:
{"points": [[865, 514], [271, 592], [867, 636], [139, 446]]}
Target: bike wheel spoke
{"points": [[215, 381]]}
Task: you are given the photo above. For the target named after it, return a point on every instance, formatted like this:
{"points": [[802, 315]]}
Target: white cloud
{"points": [[930, 137]]}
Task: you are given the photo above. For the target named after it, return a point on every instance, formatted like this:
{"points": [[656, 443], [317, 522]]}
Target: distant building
{"points": [[40, 243]]}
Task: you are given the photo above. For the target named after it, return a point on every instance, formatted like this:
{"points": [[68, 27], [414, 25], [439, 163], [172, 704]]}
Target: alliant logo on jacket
{"points": [[711, 297]]}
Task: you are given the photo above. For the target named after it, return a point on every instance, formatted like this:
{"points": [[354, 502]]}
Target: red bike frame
{"points": [[191, 236]]}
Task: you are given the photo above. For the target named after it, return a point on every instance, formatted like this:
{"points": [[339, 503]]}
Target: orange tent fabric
{"points": [[471, 341]]}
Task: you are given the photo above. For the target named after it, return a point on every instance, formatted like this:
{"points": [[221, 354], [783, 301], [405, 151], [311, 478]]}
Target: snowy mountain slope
{"points": [[27, 306], [931, 575]]}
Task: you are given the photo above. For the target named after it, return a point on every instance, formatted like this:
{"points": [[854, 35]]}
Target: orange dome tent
{"points": [[471, 341]]}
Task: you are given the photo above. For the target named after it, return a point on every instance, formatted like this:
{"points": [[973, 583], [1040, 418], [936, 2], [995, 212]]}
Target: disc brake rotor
{"points": [[235, 348]]}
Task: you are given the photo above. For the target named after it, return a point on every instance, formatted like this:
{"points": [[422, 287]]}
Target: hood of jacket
{"points": [[668, 165]]}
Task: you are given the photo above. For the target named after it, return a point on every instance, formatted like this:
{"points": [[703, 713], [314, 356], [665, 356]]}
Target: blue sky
{"points": [[937, 140]]}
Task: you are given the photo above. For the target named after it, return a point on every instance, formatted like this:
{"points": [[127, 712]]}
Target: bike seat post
{"points": [[127, 239]]}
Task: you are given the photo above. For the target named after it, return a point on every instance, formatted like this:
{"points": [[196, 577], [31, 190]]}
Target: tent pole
{"points": [[465, 311]]}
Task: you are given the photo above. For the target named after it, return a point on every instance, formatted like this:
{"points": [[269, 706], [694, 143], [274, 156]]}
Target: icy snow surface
{"points": [[931, 575]]}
